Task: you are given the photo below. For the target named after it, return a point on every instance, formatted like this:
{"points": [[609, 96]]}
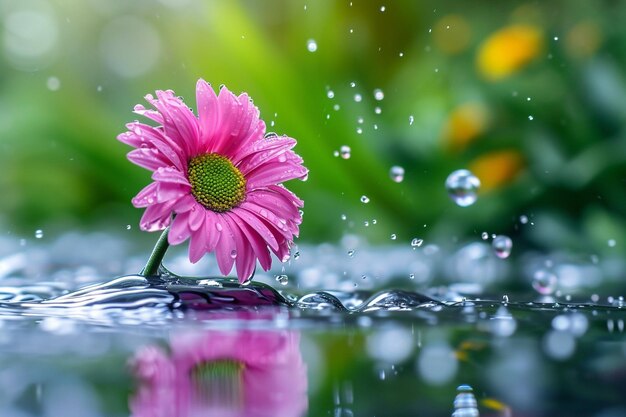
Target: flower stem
{"points": [[156, 257]]}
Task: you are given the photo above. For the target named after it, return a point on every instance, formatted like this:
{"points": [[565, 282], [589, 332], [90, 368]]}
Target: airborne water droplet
{"points": [[311, 45], [358, 98], [393, 236], [378, 94], [344, 151], [502, 246], [416, 243], [411, 120], [38, 233], [351, 253], [365, 199], [484, 235], [330, 94], [282, 279], [396, 173], [462, 187], [544, 282]]}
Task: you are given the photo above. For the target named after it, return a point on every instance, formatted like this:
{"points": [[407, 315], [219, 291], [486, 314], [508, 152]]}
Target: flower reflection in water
{"points": [[222, 373]]}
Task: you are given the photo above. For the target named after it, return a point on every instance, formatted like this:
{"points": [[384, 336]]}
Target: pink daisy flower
{"points": [[220, 175]]}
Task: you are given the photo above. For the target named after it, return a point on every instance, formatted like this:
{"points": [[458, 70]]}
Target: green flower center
{"points": [[215, 182], [219, 383]]}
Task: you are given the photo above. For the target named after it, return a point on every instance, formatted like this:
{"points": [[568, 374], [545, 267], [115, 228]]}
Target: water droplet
{"points": [[351, 253], [382, 8], [505, 299], [359, 130], [378, 94], [38, 233], [296, 255], [344, 217], [335, 154], [352, 84], [377, 110], [465, 404], [128, 227], [53, 83], [282, 279], [411, 276], [530, 117], [502, 246], [544, 282], [484, 235], [330, 94], [396, 173], [411, 120], [311, 45], [366, 223], [523, 219], [374, 221], [393, 236], [612, 243], [365, 199], [99, 88], [416, 243], [344, 151], [233, 253], [336, 107], [463, 187], [358, 98]]}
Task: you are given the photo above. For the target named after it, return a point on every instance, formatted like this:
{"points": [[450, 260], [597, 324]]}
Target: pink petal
{"points": [[256, 241], [287, 194], [276, 225], [184, 204], [208, 113], [245, 259], [282, 207], [270, 150], [147, 158], [225, 248], [156, 216], [170, 175], [150, 114], [168, 191], [197, 245], [274, 173], [179, 231], [213, 229], [146, 197], [257, 224], [196, 217]]}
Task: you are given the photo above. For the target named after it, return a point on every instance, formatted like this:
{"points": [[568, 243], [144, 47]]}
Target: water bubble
{"points": [[365, 199], [344, 151], [311, 45], [416, 243], [38, 233], [393, 236], [396, 173], [484, 235], [378, 94], [502, 246], [330, 94], [358, 98], [462, 187], [544, 282], [282, 279], [53, 83]]}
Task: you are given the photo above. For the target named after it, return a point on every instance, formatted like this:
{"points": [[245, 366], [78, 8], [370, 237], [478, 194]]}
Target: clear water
{"points": [[183, 347]]}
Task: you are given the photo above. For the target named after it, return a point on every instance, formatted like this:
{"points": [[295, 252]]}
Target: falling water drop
{"points": [[393, 236], [502, 246], [416, 243], [484, 235], [411, 120], [396, 173], [344, 151], [282, 279], [544, 282], [523, 219], [378, 94], [365, 199], [128, 227], [38, 233], [463, 187], [351, 253], [330, 94], [358, 98], [311, 45]]}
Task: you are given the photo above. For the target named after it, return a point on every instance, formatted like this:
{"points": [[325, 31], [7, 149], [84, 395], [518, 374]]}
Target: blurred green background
{"points": [[530, 96]]}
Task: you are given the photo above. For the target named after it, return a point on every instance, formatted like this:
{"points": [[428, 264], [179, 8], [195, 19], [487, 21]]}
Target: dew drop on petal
{"points": [[502, 246], [544, 282], [396, 173], [463, 187], [365, 199], [233, 253], [311, 45]]}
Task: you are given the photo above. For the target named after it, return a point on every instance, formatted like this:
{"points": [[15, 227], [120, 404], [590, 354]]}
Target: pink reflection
{"points": [[222, 373]]}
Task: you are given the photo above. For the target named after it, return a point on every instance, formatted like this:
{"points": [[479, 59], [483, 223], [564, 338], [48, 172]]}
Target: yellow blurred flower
{"points": [[497, 168], [508, 50], [465, 124]]}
